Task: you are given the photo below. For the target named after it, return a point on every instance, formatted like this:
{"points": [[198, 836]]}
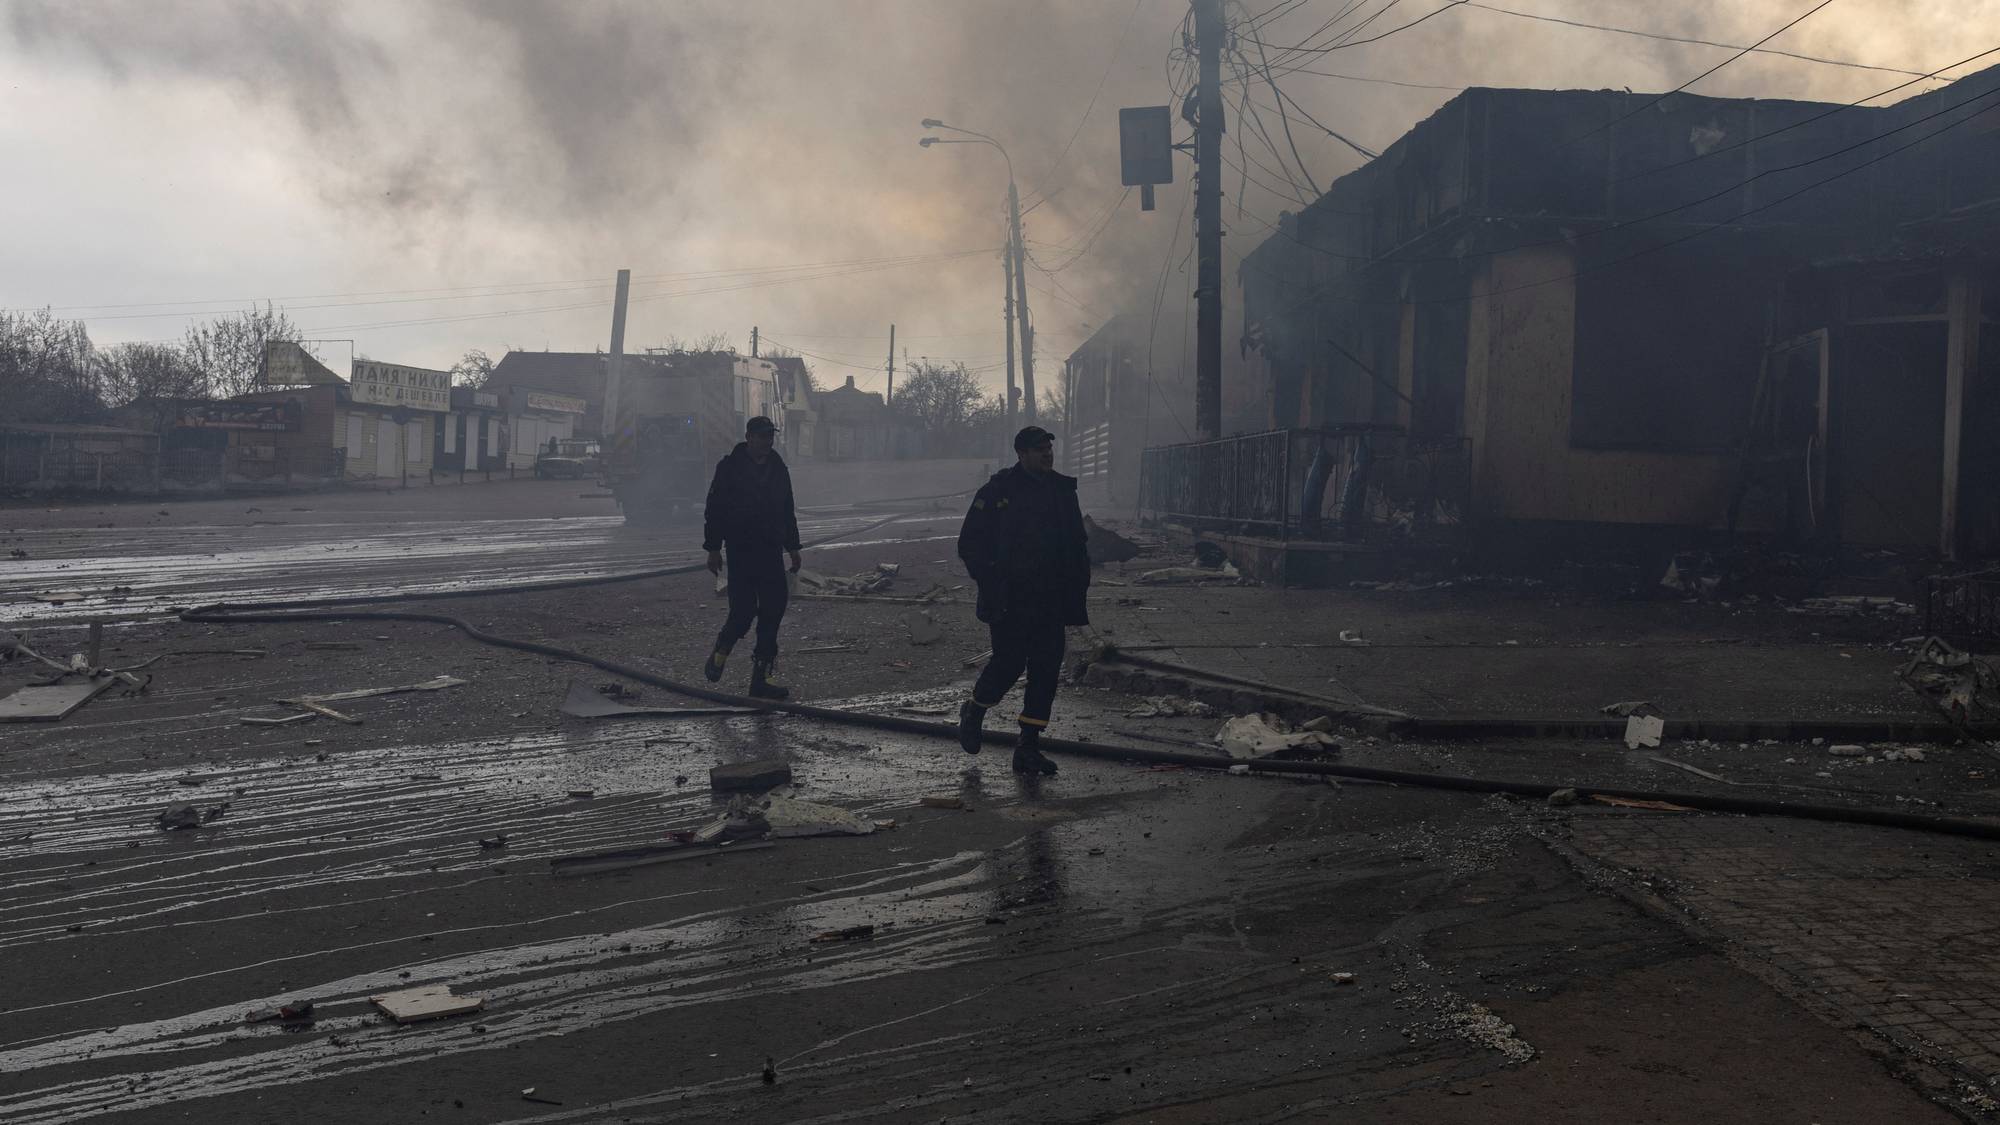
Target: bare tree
{"points": [[1055, 404], [229, 350], [46, 369], [154, 378], [940, 399], [473, 369]]}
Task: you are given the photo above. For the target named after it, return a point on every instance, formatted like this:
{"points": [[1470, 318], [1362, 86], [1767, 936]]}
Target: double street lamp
{"points": [[1016, 286]]}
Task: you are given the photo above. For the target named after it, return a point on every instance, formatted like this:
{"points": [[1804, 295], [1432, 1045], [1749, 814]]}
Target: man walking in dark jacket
{"points": [[1023, 542], [750, 509]]}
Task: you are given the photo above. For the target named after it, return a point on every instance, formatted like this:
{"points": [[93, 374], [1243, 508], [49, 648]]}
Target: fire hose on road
{"points": [[281, 612]]}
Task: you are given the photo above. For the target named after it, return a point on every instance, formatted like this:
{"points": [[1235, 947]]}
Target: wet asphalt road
{"points": [[104, 574], [1114, 944]]}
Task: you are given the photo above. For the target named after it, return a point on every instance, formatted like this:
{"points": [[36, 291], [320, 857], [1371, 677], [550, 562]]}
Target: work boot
{"points": [[971, 720], [1028, 757], [712, 667], [760, 681]]}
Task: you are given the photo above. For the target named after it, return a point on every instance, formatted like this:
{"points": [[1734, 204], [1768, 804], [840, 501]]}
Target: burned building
{"points": [[1610, 308]]}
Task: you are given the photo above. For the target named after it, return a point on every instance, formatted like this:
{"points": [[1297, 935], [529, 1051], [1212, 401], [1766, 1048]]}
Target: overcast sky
{"points": [[427, 176]]}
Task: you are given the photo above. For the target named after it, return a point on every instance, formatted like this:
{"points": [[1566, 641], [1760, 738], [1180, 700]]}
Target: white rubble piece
{"points": [[867, 582], [1644, 730], [1259, 736], [1179, 575], [788, 816], [432, 1001], [1171, 707]]}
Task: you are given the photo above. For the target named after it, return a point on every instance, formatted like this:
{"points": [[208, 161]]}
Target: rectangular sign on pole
{"points": [[1145, 145]]}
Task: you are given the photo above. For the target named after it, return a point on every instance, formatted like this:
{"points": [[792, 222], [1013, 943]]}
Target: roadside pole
{"points": [[890, 397], [613, 369], [1007, 287], [1208, 32], [1021, 299]]}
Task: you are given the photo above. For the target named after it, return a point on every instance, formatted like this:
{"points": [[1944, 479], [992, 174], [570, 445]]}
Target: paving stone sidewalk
{"points": [[1899, 931]]}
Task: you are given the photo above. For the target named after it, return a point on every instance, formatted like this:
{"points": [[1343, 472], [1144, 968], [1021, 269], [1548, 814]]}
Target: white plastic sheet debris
{"points": [[790, 817], [1256, 736]]}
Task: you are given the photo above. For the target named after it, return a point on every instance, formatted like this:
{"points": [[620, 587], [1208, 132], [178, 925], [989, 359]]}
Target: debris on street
{"points": [[787, 816], [50, 703], [1105, 545], [187, 816], [584, 703], [867, 582], [1189, 575], [923, 630], [1638, 803], [851, 933], [1964, 688], [944, 802], [1262, 736], [1644, 730], [432, 1001], [278, 721], [296, 1011], [322, 709], [1171, 707], [767, 773]]}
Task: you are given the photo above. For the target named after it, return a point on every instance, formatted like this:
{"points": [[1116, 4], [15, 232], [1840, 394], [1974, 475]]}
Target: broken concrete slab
{"points": [[1644, 730], [52, 703], [584, 703], [432, 1001], [768, 773]]}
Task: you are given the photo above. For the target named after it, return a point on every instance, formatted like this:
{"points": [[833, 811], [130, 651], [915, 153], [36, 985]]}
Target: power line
{"points": [[1806, 121], [1704, 74], [1682, 39], [1123, 29]]}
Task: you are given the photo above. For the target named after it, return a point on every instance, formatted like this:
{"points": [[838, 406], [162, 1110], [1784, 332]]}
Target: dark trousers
{"points": [[1031, 643], [756, 592]]}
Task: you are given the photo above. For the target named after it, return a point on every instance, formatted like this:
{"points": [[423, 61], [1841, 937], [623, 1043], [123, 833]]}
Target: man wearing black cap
{"points": [[1023, 543], [750, 509]]}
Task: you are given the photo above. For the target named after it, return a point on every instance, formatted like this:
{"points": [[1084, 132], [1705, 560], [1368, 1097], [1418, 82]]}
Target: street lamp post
{"points": [[1017, 261]]}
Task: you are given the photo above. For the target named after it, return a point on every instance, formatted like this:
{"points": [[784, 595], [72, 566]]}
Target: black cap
{"points": [[1031, 437], [760, 423]]}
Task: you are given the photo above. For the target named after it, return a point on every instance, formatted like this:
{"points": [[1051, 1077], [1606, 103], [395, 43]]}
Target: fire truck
{"points": [[677, 415]]}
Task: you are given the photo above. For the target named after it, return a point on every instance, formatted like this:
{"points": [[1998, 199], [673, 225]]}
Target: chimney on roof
{"points": [[850, 382]]}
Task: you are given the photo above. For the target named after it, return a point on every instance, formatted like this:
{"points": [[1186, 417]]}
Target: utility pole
{"points": [[753, 341], [1021, 299], [613, 365], [890, 397], [1007, 287], [1208, 35]]}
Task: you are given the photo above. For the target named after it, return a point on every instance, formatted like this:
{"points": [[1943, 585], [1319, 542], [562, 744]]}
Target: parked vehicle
{"points": [[574, 459], [677, 416]]}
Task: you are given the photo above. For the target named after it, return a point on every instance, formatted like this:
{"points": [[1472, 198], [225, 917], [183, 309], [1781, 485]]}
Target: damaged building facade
{"points": [[1604, 308]]}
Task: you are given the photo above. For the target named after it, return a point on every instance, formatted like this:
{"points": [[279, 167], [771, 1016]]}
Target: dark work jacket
{"points": [[1023, 542], [748, 506]]}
